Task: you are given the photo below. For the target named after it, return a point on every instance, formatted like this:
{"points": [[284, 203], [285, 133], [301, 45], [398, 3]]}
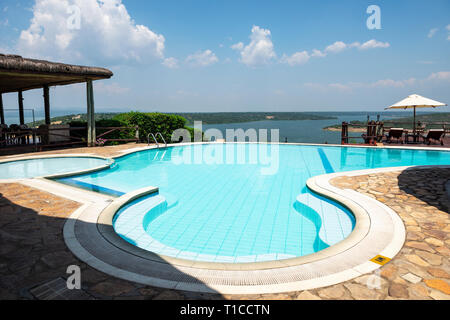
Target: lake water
{"points": [[308, 131]]}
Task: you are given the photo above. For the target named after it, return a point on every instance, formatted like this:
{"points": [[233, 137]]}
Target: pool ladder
{"points": [[154, 136]]}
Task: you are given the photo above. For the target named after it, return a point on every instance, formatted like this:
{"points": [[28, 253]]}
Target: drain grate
{"points": [[56, 289]]}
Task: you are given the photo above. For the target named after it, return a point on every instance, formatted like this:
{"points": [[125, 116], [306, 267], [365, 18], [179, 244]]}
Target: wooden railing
{"points": [[114, 129], [374, 132], [43, 137]]}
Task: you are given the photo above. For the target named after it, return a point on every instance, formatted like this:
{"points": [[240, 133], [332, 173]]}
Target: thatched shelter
{"points": [[19, 74]]}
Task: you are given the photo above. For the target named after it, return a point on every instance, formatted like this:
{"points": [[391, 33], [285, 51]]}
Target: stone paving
{"points": [[33, 251], [105, 151]]}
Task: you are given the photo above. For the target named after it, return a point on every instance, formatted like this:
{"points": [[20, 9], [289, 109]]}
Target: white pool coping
{"points": [[87, 233], [90, 236]]}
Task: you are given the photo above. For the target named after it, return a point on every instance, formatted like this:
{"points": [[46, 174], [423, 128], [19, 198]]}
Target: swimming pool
{"points": [[214, 204], [40, 167]]}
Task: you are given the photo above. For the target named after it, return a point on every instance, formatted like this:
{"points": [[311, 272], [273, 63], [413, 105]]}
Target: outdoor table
{"points": [[416, 138]]}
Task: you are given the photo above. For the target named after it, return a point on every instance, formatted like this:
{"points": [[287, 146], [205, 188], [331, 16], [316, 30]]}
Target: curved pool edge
{"points": [[106, 228], [60, 175], [352, 255]]}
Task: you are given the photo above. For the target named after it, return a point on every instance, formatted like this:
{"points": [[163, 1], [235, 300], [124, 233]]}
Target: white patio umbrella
{"points": [[415, 101]]}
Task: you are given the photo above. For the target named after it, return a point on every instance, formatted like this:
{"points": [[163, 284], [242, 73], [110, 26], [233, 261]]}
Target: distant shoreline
{"points": [[350, 129], [207, 118]]}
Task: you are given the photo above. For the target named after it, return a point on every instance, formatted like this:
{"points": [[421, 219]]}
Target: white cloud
{"points": [[340, 87], [202, 59], [112, 88], [238, 46], [107, 34], [432, 32], [170, 63], [384, 83], [302, 57], [259, 51], [336, 47], [393, 83], [318, 53], [296, 59], [448, 29], [339, 46], [371, 44], [442, 75]]}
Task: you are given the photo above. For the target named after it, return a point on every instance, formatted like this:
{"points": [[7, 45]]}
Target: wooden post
{"points": [[344, 133], [2, 114], [21, 116], [47, 104], [90, 114]]}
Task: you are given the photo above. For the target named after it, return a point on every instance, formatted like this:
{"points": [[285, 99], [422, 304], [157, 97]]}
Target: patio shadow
{"points": [[33, 253], [427, 186]]}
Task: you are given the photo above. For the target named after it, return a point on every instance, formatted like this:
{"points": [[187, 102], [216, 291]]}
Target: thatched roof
{"points": [[17, 73]]}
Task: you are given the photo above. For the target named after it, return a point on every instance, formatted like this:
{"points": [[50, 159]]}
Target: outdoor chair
{"points": [[13, 133], [3, 133], [395, 133], [370, 137], [434, 134]]}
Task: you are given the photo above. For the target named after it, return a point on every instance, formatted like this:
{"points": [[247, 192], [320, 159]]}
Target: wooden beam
{"points": [[47, 104], [21, 115], [90, 114], [2, 114]]}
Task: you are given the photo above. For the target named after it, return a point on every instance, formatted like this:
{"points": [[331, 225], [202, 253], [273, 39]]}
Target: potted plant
{"points": [[101, 142]]}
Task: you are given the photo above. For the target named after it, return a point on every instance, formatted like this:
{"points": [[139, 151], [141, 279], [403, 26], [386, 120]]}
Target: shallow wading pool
{"points": [[44, 167]]}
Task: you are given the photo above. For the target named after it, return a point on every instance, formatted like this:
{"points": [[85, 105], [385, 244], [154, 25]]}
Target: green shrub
{"points": [[166, 124]]}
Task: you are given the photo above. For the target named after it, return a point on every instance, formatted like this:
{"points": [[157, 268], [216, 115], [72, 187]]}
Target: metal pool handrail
{"points": [[156, 140]]}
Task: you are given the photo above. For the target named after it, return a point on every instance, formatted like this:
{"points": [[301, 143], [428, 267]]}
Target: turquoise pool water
{"points": [[47, 166], [238, 202]]}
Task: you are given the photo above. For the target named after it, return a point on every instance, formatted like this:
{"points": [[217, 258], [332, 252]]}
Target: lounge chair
{"points": [[434, 134], [395, 133]]}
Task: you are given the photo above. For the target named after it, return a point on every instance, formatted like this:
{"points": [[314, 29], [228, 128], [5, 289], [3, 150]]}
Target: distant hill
{"points": [[239, 117], [206, 117], [75, 117]]}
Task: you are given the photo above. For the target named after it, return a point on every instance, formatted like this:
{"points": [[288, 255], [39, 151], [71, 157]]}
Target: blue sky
{"points": [[198, 55]]}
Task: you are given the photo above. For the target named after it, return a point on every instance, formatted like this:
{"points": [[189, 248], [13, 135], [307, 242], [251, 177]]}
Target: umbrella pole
{"points": [[414, 125]]}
